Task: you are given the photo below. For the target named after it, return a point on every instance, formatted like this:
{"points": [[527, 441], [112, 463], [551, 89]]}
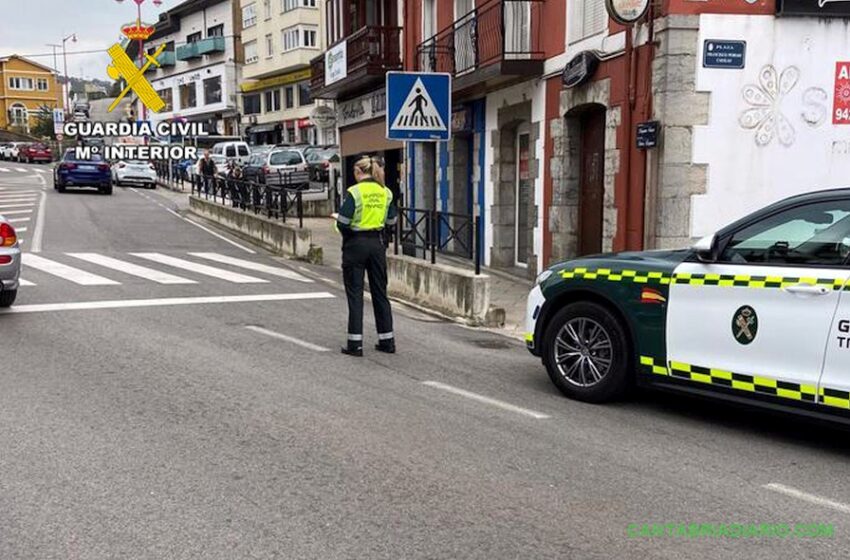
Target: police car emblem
{"points": [[745, 325]]}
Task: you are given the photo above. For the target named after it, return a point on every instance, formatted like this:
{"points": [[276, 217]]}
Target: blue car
{"points": [[74, 172]]}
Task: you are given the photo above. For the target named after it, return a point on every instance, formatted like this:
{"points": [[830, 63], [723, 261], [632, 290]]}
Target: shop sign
{"points": [[336, 63], [626, 12], [724, 54], [841, 103], [816, 8], [276, 81], [580, 69], [647, 135], [364, 108], [323, 116]]}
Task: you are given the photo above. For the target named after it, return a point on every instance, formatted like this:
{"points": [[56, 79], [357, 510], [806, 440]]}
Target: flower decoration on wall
{"points": [[765, 101]]}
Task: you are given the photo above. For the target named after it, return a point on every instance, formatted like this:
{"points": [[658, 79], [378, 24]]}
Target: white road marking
{"points": [[38, 236], [18, 220], [257, 267], [20, 229], [211, 232], [160, 302], [806, 497], [16, 205], [486, 400], [293, 340], [18, 197], [131, 269], [69, 273], [201, 268], [21, 169], [4, 170], [25, 282], [10, 212]]}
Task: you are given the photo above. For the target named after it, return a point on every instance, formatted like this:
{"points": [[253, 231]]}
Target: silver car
{"points": [[10, 263]]}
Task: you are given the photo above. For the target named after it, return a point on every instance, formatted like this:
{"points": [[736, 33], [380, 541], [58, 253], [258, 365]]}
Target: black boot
{"points": [[353, 349], [386, 346]]}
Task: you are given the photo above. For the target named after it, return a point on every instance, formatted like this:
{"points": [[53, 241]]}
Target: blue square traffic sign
{"points": [[419, 106]]}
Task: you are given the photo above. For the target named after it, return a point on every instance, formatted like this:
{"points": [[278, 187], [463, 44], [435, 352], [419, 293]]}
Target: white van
{"points": [[223, 152]]}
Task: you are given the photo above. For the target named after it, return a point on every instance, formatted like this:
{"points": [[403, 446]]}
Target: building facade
{"points": [[280, 38], [26, 87], [364, 39], [199, 72]]}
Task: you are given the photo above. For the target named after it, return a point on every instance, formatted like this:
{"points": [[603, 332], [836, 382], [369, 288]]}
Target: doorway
{"points": [[591, 181], [524, 192]]}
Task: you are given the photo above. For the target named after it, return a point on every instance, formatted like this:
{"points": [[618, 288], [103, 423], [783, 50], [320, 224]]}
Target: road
{"points": [[170, 393]]}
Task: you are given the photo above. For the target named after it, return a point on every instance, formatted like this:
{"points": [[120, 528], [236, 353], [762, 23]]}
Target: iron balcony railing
{"points": [[503, 30], [373, 50]]}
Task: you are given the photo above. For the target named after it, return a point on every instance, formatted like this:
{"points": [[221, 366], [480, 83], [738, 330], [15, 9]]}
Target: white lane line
{"points": [[38, 236], [486, 400], [161, 302], [65, 272], [131, 269], [26, 282], [198, 268], [18, 220], [10, 212], [256, 267], [293, 340], [806, 497]]}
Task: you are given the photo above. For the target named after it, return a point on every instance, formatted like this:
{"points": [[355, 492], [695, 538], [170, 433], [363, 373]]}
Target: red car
{"points": [[32, 153]]}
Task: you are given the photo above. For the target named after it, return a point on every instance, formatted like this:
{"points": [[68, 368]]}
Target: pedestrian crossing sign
{"points": [[418, 106]]}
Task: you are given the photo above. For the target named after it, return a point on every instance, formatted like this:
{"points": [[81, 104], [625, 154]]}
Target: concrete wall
{"points": [[285, 239], [452, 291]]}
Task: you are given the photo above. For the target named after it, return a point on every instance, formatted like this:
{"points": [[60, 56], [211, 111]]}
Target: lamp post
{"points": [[139, 3], [73, 38]]}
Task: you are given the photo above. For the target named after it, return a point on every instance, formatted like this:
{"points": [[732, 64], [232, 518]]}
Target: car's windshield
{"points": [[286, 157]]}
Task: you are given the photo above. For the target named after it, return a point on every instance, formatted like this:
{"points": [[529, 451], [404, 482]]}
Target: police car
{"points": [[758, 313]]}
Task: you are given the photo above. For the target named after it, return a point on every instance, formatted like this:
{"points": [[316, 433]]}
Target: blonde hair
{"points": [[370, 166]]}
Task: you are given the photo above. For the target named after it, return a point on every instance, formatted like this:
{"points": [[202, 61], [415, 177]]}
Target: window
{"points": [[216, 31], [290, 97], [269, 45], [166, 96], [193, 37], [267, 9], [230, 151], [304, 97], [19, 115], [251, 104], [251, 52], [587, 18], [212, 90], [273, 100], [287, 5], [814, 234], [299, 36], [249, 16], [188, 96], [286, 157], [21, 83], [42, 84]]}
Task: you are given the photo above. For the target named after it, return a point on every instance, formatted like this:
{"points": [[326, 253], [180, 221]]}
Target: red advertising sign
{"points": [[841, 105]]}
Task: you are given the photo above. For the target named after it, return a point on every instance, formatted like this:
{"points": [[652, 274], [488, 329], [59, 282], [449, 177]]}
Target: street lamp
{"points": [[73, 38]]}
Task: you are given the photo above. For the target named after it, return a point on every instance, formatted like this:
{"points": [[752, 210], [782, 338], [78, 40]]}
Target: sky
{"points": [[27, 26]]}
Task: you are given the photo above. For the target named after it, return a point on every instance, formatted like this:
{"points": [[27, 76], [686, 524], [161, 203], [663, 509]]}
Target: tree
{"points": [[43, 127], [116, 88]]}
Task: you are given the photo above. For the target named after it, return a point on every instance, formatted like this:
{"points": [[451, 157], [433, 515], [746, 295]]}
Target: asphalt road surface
{"points": [[170, 393]]}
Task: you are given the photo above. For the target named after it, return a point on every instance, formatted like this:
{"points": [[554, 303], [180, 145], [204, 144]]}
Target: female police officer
{"points": [[364, 213]]}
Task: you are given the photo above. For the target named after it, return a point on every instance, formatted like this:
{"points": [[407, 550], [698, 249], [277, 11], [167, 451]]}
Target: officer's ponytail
{"points": [[372, 167]]}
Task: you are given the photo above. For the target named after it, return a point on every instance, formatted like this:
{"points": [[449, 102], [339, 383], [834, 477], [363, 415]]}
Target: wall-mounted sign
{"points": [[817, 8], [724, 54], [580, 69], [283, 80], [626, 12], [647, 135], [336, 63], [366, 107], [462, 119], [323, 116], [841, 103]]}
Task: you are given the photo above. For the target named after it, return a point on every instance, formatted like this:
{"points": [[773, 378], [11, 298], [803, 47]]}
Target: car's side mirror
{"points": [[707, 248]]}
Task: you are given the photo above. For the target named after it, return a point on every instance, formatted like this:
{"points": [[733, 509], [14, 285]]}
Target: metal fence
{"points": [[431, 231], [274, 201]]}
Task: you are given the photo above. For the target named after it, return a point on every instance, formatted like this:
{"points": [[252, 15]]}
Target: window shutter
{"points": [[595, 16]]}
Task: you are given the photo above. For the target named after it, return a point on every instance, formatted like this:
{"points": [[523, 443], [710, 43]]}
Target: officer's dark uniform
{"points": [[365, 212]]}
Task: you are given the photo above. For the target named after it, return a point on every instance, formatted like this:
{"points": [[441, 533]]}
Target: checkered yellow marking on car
{"points": [[746, 383], [747, 281], [834, 397], [636, 276]]}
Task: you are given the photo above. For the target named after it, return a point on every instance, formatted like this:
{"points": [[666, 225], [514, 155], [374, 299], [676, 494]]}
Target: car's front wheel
{"points": [[7, 297], [587, 353]]}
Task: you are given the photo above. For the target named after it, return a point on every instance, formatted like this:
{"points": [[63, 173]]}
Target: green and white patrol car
{"points": [[758, 312]]}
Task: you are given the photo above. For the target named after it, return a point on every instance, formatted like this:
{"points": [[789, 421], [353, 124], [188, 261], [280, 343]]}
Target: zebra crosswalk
{"points": [[96, 269], [10, 169]]}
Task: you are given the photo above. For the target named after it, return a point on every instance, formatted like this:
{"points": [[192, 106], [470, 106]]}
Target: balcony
{"points": [[167, 59], [490, 46], [370, 53], [197, 49]]}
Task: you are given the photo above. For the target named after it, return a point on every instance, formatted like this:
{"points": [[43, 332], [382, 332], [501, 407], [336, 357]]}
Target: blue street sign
{"points": [[724, 54], [419, 106]]}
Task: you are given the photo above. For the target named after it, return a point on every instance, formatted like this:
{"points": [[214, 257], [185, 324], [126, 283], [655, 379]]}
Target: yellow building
{"points": [[25, 87]]}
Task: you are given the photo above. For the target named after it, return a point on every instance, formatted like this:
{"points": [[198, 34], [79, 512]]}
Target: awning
{"points": [[262, 128]]}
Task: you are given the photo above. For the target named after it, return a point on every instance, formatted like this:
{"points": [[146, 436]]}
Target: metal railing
{"points": [[277, 201], [432, 231], [373, 49]]}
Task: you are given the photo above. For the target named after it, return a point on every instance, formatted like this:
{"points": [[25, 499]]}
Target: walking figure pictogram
{"points": [[420, 102]]}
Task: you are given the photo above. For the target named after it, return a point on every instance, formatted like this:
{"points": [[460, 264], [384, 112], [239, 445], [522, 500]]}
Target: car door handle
{"points": [[807, 290]]}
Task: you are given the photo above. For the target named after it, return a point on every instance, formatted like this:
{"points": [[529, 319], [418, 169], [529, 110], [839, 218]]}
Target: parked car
{"points": [[319, 161], [224, 151], [32, 153], [279, 166], [134, 172], [74, 172], [10, 151], [10, 263]]}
